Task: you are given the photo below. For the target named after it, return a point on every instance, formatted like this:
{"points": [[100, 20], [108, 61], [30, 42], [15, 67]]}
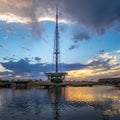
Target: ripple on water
{"points": [[78, 103]]}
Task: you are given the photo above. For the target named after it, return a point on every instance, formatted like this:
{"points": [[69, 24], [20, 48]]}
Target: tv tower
{"points": [[56, 52], [56, 76]]}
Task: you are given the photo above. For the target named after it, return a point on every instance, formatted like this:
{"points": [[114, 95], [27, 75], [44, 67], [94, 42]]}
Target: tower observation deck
{"points": [[56, 76]]}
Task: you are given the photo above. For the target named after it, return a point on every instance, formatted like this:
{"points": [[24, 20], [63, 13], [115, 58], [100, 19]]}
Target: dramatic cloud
{"points": [[96, 15], [94, 73], [104, 65], [25, 68], [26, 11]]}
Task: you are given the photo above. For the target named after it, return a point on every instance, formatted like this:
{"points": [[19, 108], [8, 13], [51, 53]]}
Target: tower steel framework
{"points": [[56, 53]]}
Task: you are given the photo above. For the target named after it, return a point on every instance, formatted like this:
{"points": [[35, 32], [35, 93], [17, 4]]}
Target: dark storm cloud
{"points": [[97, 15], [80, 37]]}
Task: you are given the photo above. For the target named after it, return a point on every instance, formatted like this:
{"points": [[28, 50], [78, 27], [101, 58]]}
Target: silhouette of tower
{"points": [[56, 75], [56, 51]]}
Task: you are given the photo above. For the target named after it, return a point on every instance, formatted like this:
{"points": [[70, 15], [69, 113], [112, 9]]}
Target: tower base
{"points": [[56, 77]]}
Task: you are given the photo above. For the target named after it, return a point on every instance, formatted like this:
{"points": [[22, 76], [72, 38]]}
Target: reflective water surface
{"points": [[67, 103]]}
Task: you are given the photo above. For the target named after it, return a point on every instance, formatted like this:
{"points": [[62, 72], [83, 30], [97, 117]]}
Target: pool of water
{"points": [[66, 103]]}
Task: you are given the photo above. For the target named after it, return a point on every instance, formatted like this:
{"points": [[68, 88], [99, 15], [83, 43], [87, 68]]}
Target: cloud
{"points": [[25, 11], [104, 65], [101, 52], [95, 70], [73, 47], [9, 59], [93, 73], [111, 57], [25, 68], [3, 69], [73, 66], [95, 15], [80, 37], [37, 59], [27, 49]]}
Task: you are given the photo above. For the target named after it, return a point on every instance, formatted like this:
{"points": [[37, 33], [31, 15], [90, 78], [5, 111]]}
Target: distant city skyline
{"points": [[89, 38]]}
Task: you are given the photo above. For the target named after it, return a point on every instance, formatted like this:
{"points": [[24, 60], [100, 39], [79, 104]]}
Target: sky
{"points": [[89, 37]]}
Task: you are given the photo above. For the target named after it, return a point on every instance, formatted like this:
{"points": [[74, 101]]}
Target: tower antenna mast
{"points": [[56, 76], [56, 41]]}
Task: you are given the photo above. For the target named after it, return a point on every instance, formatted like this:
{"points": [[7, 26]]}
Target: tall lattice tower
{"points": [[56, 51], [56, 76]]}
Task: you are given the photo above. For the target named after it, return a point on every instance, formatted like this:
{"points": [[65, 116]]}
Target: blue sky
{"points": [[89, 35]]}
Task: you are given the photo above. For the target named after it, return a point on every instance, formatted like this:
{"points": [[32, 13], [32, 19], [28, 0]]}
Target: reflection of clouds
{"points": [[79, 94], [115, 110], [92, 94], [105, 97], [1, 101]]}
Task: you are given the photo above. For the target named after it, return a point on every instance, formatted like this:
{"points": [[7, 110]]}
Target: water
{"points": [[67, 103]]}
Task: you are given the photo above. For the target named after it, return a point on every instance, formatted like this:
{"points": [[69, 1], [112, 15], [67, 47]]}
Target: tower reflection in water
{"points": [[85, 102], [56, 95]]}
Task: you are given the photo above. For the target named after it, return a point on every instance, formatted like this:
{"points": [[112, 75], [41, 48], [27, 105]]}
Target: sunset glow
{"points": [[89, 43]]}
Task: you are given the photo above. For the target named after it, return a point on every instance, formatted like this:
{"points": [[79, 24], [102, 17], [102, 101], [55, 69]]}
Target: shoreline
{"points": [[48, 84]]}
